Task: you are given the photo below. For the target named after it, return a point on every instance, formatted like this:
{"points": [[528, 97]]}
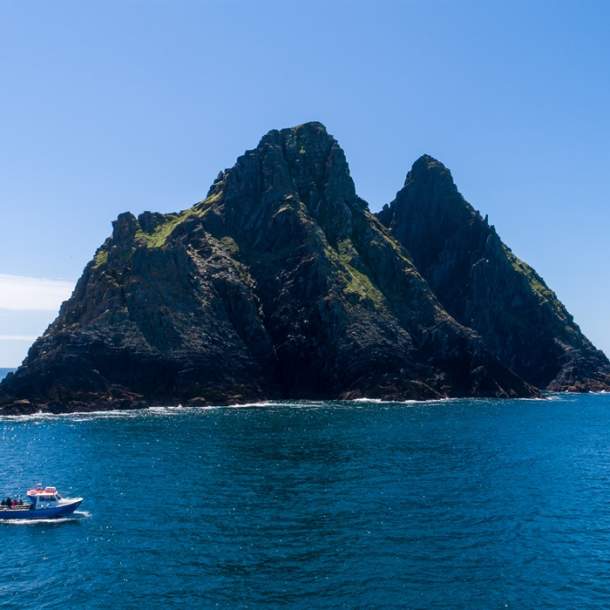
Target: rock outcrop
{"points": [[484, 286], [279, 284]]}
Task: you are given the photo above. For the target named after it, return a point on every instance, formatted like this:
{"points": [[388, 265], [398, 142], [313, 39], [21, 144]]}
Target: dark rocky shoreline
{"points": [[24, 407]]}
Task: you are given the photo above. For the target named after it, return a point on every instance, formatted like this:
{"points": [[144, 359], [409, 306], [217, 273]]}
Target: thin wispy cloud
{"points": [[20, 293]]}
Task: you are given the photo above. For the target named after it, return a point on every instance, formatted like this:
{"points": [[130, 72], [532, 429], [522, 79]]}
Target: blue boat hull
{"points": [[55, 512]]}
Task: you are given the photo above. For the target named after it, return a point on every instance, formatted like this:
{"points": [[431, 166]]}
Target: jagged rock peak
{"points": [[483, 285], [427, 162], [124, 227], [429, 183], [313, 132], [311, 129], [304, 159], [428, 170]]}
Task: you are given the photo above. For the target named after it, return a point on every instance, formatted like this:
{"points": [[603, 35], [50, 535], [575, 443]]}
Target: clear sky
{"points": [[125, 105]]}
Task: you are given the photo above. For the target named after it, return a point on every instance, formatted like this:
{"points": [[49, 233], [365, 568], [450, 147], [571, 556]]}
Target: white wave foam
{"points": [[298, 404], [377, 401], [244, 405], [381, 401], [538, 398], [83, 415], [173, 410], [157, 411]]}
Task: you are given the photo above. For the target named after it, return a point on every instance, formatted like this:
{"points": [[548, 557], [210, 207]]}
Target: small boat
{"points": [[43, 503]]}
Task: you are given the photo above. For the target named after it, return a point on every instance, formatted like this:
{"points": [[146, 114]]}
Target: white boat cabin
{"points": [[44, 497]]}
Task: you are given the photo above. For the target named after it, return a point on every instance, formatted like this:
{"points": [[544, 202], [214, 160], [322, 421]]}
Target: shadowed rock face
{"points": [[486, 287], [280, 284]]}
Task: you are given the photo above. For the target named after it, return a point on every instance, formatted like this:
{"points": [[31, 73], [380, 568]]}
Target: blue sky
{"points": [[130, 105]]}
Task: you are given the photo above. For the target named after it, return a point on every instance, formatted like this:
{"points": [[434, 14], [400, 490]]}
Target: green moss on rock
{"points": [[536, 283], [158, 238], [356, 282], [101, 258]]}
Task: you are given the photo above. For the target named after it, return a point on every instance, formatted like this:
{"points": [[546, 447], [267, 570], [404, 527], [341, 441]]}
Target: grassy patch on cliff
{"points": [[536, 283], [101, 258], [357, 282], [158, 238]]}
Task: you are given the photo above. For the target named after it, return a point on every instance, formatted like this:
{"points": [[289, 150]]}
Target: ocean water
{"points": [[454, 504]]}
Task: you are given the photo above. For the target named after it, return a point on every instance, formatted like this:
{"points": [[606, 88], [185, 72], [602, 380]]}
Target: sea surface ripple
{"points": [[450, 504]]}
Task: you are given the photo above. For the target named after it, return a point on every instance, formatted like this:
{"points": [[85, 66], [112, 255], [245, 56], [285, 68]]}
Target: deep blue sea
{"points": [[455, 504]]}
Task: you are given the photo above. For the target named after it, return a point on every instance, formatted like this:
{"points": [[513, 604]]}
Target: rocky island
{"points": [[282, 283]]}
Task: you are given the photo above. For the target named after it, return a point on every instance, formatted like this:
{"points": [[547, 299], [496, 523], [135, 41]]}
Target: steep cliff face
{"points": [[485, 286], [279, 284]]}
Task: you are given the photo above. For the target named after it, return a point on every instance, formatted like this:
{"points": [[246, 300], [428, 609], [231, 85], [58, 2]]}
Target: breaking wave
{"points": [[169, 411]]}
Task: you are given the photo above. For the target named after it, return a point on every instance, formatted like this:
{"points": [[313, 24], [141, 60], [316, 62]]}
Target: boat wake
{"points": [[78, 515]]}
